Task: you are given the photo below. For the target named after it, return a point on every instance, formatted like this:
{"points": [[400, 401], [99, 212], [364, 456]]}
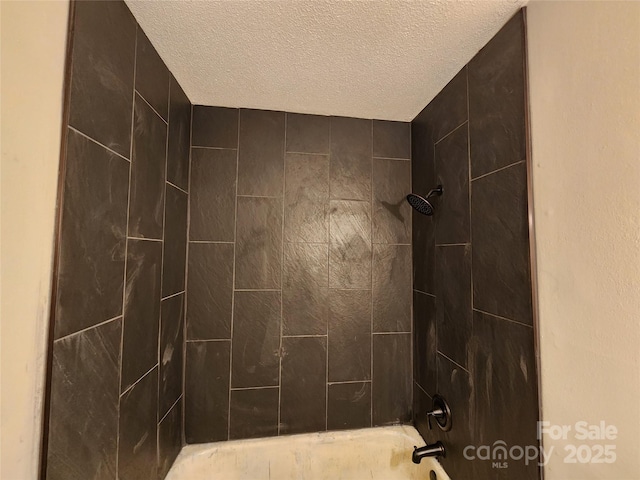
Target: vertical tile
{"points": [[152, 76], [215, 127], [307, 133], [303, 401], [179, 136], [391, 139], [169, 439], [210, 295], [305, 289], [83, 422], [349, 406], [206, 393], [452, 208], [146, 193], [349, 335], [424, 348], [453, 304], [497, 100], [256, 339], [141, 310], [261, 154], [175, 241], [423, 253], [254, 413], [350, 158], [171, 352], [504, 373], [423, 178], [455, 385], [213, 194], [391, 288], [391, 378], [259, 243], [102, 73], [306, 214], [445, 112], [350, 248], [137, 447], [500, 230], [92, 238], [391, 212]]}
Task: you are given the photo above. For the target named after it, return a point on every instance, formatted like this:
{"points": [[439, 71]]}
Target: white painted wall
{"points": [[33, 53], [584, 70]]}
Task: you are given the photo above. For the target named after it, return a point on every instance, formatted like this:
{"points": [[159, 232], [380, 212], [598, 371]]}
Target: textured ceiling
{"points": [[369, 59]]}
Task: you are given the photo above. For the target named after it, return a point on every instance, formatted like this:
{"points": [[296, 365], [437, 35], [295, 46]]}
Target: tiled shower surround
{"points": [[233, 273], [117, 369], [472, 298], [299, 274]]}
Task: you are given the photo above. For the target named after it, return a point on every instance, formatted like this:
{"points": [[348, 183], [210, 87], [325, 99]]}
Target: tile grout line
{"points": [[502, 318], [424, 293], [435, 232], [284, 189], [395, 159], [214, 148], [98, 143], [151, 107], [199, 340], [266, 387], [452, 244], [211, 241], [470, 196], [145, 239], [452, 131], [328, 233], [126, 244], [349, 382], [233, 275], [186, 285], [162, 257], [305, 336], [320, 154], [392, 333], [256, 289], [420, 387], [172, 295], [172, 184], [86, 329], [131, 387], [452, 361], [165, 416], [371, 272], [260, 196], [497, 170], [412, 341]]}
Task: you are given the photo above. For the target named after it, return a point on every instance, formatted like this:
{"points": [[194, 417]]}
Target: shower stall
{"points": [[224, 275]]}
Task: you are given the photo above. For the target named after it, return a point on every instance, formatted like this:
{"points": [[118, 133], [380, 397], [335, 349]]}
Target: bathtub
{"points": [[382, 453]]}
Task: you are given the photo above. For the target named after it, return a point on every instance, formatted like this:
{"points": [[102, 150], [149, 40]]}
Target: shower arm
{"points": [[436, 191]]}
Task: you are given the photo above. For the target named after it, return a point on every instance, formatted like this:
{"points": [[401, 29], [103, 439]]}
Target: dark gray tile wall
{"points": [[472, 301], [299, 274], [117, 379]]}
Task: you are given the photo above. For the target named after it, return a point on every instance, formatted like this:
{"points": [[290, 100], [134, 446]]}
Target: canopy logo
{"points": [[500, 454], [585, 450]]}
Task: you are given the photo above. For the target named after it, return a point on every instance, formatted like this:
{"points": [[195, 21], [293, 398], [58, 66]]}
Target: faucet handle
{"points": [[441, 412], [436, 413]]}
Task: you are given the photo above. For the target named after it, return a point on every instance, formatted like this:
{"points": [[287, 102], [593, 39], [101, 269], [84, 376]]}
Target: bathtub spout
{"points": [[433, 450]]}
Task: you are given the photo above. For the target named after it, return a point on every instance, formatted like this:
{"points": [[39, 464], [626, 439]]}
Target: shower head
{"points": [[422, 204]]}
